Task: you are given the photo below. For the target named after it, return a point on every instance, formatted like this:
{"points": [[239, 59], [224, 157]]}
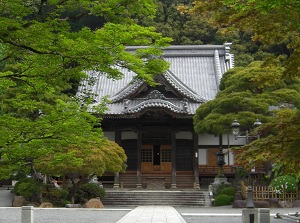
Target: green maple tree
{"points": [[272, 23], [45, 49], [255, 92]]}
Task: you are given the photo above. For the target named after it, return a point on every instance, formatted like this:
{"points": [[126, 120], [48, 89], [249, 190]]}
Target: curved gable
{"points": [[193, 78], [182, 88]]}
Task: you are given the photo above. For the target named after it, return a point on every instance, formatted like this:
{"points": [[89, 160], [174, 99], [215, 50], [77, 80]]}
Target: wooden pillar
{"points": [[117, 175], [173, 136], [195, 163], [139, 151]]}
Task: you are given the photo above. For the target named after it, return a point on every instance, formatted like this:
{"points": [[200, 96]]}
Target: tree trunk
{"points": [[75, 187]]}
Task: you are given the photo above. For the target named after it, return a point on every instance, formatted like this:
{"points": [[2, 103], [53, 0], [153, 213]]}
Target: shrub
{"points": [[220, 188], [28, 188], [57, 197], [230, 191], [223, 199], [241, 172], [287, 183], [87, 192]]}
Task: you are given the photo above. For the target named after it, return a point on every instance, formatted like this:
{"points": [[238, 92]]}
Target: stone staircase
{"points": [[184, 180], [123, 197]]}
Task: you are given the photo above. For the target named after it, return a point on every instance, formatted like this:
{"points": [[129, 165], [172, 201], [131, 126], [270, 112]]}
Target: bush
{"points": [[28, 188], [230, 191], [287, 183], [57, 197], [220, 188], [87, 192], [223, 199]]}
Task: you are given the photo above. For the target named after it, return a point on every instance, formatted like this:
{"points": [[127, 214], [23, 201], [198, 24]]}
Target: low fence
{"points": [[264, 193]]}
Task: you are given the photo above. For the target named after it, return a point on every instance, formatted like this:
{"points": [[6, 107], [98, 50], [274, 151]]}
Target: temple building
{"points": [[154, 125]]}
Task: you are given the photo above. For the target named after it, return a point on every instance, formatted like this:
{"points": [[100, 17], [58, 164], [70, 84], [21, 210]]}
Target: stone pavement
{"points": [[5, 197], [141, 214], [152, 214]]}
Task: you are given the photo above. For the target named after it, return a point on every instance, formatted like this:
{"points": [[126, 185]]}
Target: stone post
{"points": [[263, 215], [250, 215], [27, 214], [116, 180], [256, 215]]}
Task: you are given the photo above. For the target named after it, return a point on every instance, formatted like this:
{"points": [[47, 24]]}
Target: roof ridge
{"points": [[157, 102], [172, 80], [182, 88], [217, 66], [208, 46], [127, 90]]}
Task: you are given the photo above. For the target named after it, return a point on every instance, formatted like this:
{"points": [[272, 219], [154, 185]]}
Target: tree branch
{"points": [[27, 47]]}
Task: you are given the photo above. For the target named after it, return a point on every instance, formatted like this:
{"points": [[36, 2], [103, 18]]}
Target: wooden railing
{"points": [[209, 170], [264, 193]]}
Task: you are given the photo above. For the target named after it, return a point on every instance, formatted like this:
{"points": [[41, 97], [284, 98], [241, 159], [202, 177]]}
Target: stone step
{"points": [[184, 179], [173, 198]]}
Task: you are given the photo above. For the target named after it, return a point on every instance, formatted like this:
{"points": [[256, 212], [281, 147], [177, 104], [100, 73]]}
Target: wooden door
{"points": [[147, 158], [156, 158], [166, 158]]}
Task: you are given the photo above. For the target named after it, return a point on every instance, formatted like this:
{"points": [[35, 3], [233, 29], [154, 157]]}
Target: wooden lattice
{"points": [[264, 193]]}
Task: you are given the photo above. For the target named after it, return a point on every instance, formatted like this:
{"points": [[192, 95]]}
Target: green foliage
{"points": [[42, 122], [230, 191], [285, 183], [241, 172], [246, 94], [87, 192], [19, 175], [223, 199], [27, 188], [280, 143], [273, 23], [261, 90], [220, 188], [57, 197]]}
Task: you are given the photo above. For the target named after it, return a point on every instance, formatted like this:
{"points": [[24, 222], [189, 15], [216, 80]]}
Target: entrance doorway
{"points": [[156, 158]]}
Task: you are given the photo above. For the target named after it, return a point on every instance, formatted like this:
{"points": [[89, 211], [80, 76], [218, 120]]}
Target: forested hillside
{"points": [[186, 29]]}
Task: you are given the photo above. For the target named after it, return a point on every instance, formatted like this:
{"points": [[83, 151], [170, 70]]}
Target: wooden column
{"points": [[195, 163], [117, 175], [173, 136], [139, 147]]}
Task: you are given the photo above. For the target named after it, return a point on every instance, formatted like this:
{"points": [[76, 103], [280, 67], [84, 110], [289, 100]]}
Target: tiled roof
{"points": [[195, 73]]}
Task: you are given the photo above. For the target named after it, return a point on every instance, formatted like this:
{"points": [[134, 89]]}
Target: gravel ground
{"points": [[227, 214], [65, 215], [112, 215], [224, 214], [59, 215], [5, 197]]}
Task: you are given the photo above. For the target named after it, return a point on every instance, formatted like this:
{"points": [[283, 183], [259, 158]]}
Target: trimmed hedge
{"points": [[223, 199], [230, 191], [87, 192]]}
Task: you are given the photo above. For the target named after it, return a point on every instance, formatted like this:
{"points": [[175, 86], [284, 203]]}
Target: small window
{"points": [[166, 155], [146, 155]]}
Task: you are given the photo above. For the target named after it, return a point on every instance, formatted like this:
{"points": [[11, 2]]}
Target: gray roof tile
{"points": [[195, 72]]}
